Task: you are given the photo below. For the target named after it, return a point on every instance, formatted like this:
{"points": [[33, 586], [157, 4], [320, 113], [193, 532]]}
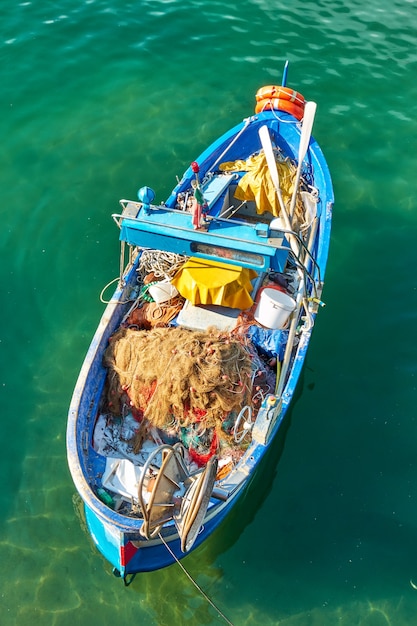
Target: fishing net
{"points": [[174, 375]]}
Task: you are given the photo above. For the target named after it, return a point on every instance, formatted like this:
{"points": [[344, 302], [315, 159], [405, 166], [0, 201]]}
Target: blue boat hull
{"points": [[122, 551], [133, 542]]}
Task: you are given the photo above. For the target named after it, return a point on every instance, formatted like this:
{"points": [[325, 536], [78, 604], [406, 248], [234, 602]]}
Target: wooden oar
{"points": [[308, 121], [273, 170], [282, 371]]}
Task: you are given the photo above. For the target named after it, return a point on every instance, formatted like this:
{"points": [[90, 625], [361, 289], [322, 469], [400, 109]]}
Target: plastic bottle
{"points": [[105, 497]]}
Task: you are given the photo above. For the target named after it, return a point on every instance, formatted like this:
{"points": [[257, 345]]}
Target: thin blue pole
{"points": [[284, 74]]}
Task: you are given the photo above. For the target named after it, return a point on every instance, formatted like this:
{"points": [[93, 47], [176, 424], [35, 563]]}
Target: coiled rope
{"points": [[162, 264]]}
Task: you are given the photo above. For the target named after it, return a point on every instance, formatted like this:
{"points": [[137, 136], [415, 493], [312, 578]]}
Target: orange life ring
{"points": [[283, 93], [280, 105]]}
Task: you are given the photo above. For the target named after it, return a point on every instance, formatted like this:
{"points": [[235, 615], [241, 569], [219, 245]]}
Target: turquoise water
{"points": [[99, 98]]}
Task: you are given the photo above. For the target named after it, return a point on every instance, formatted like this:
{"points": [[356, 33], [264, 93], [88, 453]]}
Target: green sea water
{"points": [[100, 98]]}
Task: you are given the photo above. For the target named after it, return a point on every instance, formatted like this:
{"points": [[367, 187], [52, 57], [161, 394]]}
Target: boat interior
{"points": [[232, 290], [124, 439]]}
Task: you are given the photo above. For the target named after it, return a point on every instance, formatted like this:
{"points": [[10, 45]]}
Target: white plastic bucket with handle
{"points": [[274, 308]]}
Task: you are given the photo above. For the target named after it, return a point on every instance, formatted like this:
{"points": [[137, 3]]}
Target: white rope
{"points": [[162, 264], [281, 119], [247, 122], [105, 289], [216, 608], [130, 299]]}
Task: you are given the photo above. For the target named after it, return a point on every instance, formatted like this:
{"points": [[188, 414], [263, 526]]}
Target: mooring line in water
{"points": [[197, 586]]}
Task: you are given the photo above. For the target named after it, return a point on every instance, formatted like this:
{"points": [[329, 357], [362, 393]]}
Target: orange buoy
{"points": [[283, 93], [279, 104]]}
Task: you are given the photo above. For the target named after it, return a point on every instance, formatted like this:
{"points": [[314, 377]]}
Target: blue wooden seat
{"points": [[215, 190]]}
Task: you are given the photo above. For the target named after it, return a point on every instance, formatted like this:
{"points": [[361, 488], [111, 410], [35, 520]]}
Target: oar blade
{"points": [[269, 155], [306, 129], [273, 170]]}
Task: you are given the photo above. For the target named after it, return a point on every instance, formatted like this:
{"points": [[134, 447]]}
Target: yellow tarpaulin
{"points": [[213, 282], [257, 184]]}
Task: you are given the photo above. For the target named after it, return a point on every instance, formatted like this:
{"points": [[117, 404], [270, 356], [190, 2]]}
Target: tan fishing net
{"points": [[178, 375]]}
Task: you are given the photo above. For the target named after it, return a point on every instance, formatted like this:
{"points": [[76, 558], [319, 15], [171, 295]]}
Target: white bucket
{"points": [[162, 291], [274, 308]]}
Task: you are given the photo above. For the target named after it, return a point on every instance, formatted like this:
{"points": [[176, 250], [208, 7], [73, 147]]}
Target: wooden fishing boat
{"points": [[197, 355]]}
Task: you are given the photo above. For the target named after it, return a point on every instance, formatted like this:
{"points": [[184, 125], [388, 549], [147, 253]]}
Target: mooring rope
{"points": [[247, 122], [197, 586]]}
